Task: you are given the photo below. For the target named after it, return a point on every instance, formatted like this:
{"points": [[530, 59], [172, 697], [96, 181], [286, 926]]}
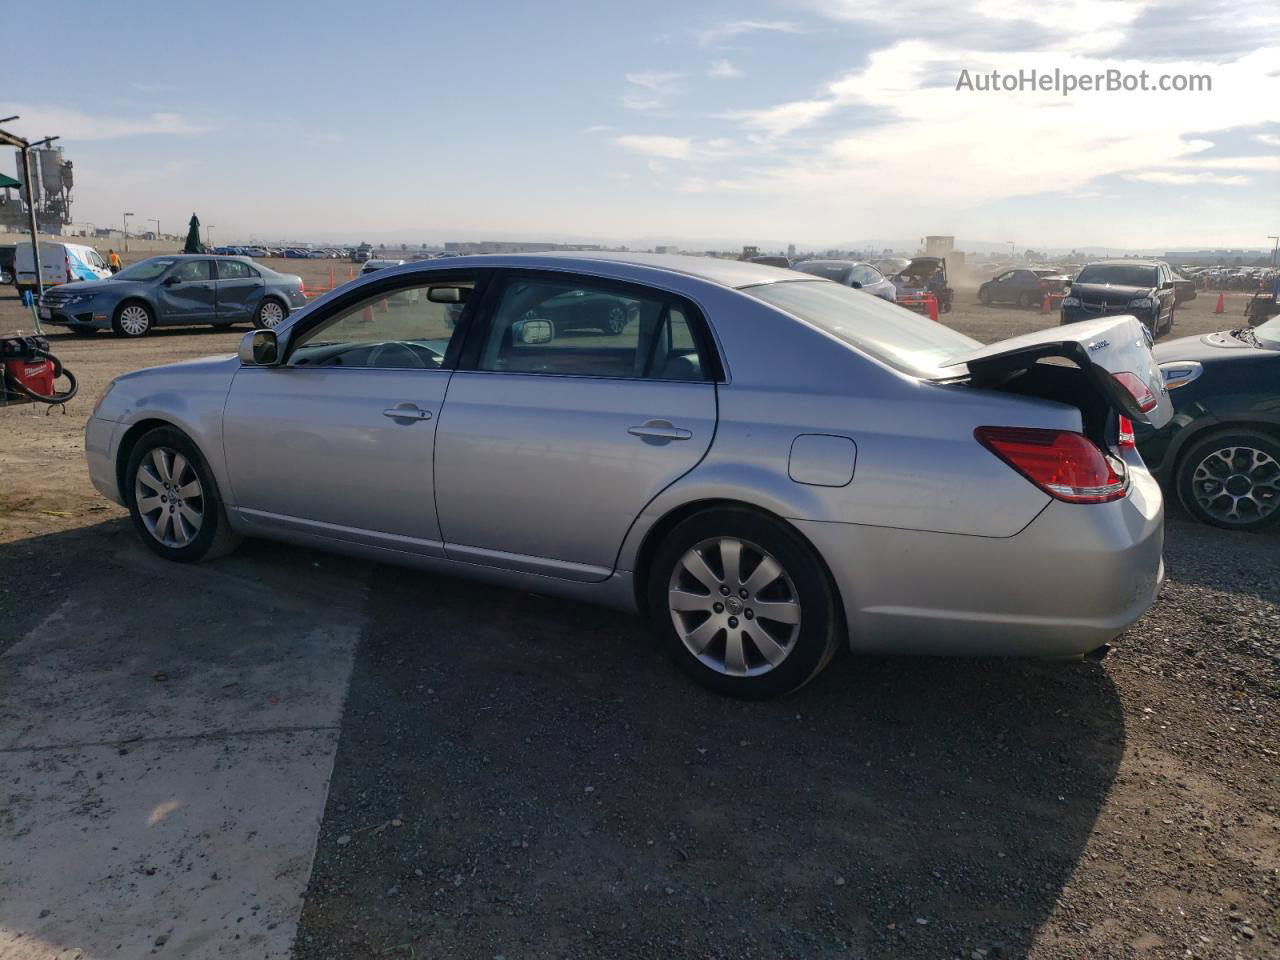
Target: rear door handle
{"points": [[407, 412], [659, 431]]}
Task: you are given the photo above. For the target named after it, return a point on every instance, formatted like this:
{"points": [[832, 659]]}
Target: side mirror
{"points": [[259, 348], [446, 295], [172, 279], [532, 332], [855, 284]]}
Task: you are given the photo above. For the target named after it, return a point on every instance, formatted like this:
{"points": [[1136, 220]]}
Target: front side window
{"points": [[579, 327], [403, 328], [189, 270]]}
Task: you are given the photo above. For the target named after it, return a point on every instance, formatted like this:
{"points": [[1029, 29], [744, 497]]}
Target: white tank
{"points": [[50, 169]]}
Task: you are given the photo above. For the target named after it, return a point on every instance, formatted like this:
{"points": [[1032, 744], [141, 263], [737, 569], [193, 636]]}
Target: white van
{"points": [[59, 263]]}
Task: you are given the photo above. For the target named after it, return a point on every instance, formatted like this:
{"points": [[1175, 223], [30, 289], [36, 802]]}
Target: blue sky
{"points": [[827, 123]]}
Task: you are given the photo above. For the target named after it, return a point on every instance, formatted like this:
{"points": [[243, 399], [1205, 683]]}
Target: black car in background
{"points": [[1140, 288], [8, 253], [1025, 286], [1184, 288], [1221, 451]]}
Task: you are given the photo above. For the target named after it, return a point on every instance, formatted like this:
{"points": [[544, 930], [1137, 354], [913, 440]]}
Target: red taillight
{"points": [[1137, 389], [1067, 466], [302, 286], [1127, 440]]}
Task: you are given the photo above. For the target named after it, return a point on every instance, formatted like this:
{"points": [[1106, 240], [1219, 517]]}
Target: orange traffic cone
{"points": [[351, 273], [1222, 304], [331, 283], [1046, 304]]}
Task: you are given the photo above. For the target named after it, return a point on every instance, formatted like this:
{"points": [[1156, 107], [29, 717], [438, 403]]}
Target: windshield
{"points": [[1268, 333], [826, 269], [904, 340], [1119, 274], [146, 269]]}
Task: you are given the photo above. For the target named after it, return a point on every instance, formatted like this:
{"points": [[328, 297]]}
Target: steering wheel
{"points": [[416, 360]]}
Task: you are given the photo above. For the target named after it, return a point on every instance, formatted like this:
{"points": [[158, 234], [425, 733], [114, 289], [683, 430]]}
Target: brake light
{"points": [[1068, 466], [1127, 441], [1137, 389]]}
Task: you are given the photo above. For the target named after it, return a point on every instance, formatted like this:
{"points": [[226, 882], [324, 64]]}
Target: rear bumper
{"points": [[1075, 578]]}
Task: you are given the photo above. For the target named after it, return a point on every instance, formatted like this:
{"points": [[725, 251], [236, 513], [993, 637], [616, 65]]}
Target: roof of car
{"points": [[1124, 263], [729, 273]]}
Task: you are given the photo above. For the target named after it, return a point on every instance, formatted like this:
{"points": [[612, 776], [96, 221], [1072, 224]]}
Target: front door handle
{"points": [[407, 412], [659, 431]]}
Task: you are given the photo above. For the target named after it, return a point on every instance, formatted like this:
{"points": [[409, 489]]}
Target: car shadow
{"points": [[528, 776]]}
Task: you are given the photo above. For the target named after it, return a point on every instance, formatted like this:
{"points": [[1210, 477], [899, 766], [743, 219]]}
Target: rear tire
{"points": [[173, 499], [758, 631], [1024, 301], [270, 314], [1231, 479]]}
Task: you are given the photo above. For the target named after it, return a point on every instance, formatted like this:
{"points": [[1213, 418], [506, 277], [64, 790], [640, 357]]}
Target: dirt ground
{"points": [[519, 777]]}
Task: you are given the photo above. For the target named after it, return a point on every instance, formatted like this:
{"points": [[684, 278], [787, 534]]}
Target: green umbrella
{"points": [[193, 244], [9, 182]]}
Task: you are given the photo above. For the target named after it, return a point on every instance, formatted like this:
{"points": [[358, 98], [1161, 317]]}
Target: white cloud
{"points": [[719, 33], [669, 148], [1186, 179], [723, 70], [74, 125], [649, 89], [1270, 139]]}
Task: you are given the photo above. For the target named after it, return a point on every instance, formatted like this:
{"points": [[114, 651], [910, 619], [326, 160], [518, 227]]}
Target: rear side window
{"points": [[578, 326], [900, 338], [233, 270]]}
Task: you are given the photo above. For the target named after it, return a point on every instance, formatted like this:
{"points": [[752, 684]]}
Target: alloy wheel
{"points": [[734, 607], [1237, 485], [170, 498], [270, 313], [134, 320]]}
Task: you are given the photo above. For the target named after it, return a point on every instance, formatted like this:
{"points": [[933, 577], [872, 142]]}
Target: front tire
{"points": [[1231, 479], [270, 313], [984, 296], [173, 499], [133, 318], [743, 604]]}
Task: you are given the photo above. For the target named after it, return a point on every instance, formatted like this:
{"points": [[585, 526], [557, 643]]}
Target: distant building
{"points": [[791, 251], [512, 246], [664, 248]]}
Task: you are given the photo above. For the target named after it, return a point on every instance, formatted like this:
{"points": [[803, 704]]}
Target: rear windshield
{"points": [[1119, 275], [827, 271], [146, 269], [894, 335]]}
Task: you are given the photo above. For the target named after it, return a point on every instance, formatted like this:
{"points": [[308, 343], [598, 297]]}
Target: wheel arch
{"points": [[1190, 437], [135, 298], [658, 531], [136, 431]]}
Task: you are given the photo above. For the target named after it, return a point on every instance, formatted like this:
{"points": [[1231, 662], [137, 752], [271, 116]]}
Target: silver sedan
{"points": [[770, 466]]}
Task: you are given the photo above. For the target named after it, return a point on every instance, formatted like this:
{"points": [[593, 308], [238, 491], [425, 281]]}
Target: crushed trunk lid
{"points": [[1109, 351]]}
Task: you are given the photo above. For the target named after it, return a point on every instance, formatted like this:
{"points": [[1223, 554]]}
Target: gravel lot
{"points": [[519, 777]]}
